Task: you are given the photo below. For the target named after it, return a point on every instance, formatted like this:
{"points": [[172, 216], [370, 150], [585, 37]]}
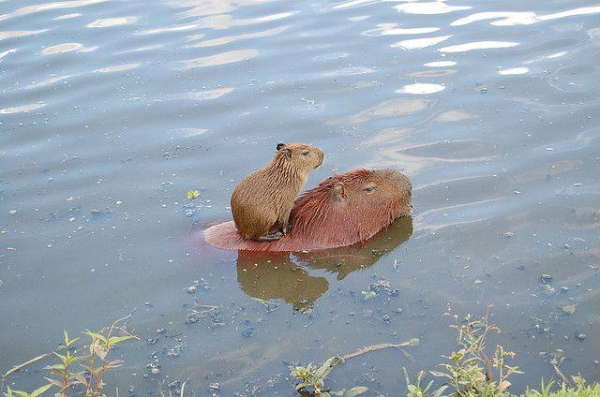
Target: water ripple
{"points": [[109, 22], [414, 44], [390, 29], [49, 6], [508, 18], [20, 33], [432, 8], [521, 70], [478, 45], [218, 59], [22, 109], [67, 47]]}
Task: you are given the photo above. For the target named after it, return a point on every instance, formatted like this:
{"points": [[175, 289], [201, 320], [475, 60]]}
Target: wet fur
{"points": [[320, 220], [264, 199]]}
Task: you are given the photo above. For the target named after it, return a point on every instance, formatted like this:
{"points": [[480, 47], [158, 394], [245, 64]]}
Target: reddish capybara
{"points": [[343, 210], [262, 201]]}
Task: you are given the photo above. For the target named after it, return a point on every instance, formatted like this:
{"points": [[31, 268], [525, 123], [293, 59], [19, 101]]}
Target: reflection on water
{"points": [[432, 8], [421, 88], [219, 59], [111, 111], [478, 45], [269, 276], [414, 44], [110, 22]]}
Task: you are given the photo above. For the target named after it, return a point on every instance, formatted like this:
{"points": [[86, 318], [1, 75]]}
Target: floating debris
{"points": [[193, 194], [549, 290], [546, 278], [569, 309], [383, 287]]}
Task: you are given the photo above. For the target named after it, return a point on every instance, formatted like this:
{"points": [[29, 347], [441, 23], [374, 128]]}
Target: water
{"points": [[112, 110]]}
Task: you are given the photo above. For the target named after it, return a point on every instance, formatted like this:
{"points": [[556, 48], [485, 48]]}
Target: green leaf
{"points": [[118, 339], [356, 391], [438, 392], [300, 386], [58, 367], [62, 358], [115, 364], [37, 392], [440, 374], [96, 336], [326, 368], [54, 382], [73, 360]]}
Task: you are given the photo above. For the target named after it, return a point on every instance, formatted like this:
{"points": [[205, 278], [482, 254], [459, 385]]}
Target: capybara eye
{"points": [[370, 189], [305, 153]]}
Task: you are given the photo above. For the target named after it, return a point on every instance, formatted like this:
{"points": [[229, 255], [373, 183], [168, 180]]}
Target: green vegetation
{"points": [[467, 372], [80, 370]]}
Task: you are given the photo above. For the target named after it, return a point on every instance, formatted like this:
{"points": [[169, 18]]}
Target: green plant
{"points": [[416, 390], [470, 372], [312, 379], [92, 363], [580, 389]]}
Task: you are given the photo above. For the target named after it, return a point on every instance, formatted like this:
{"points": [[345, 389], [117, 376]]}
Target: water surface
{"points": [[110, 111]]}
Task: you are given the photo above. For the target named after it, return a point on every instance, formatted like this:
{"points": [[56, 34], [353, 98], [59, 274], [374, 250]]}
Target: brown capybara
{"points": [[343, 210], [261, 203]]}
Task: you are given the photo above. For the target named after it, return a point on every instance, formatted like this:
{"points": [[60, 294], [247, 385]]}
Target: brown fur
{"points": [[339, 212], [263, 200]]}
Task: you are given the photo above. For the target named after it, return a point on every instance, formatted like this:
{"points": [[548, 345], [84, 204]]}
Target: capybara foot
{"points": [[270, 237]]}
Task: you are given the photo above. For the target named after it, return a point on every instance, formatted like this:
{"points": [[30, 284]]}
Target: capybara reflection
{"points": [[267, 276], [262, 201], [342, 210]]}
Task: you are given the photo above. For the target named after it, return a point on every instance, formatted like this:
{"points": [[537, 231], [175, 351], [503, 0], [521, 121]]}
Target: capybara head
{"points": [[343, 210], [352, 207], [304, 157]]}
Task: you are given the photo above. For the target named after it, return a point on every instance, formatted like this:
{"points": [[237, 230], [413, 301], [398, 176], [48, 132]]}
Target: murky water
{"points": [[110, 111]]}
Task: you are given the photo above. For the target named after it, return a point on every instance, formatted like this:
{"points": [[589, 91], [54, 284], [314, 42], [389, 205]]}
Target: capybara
{"points": [[343, 210], [262, 201]]}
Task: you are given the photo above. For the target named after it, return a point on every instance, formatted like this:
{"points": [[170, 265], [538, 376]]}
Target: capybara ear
{"points": [[288, 152], [280, 146], [338, 193]]}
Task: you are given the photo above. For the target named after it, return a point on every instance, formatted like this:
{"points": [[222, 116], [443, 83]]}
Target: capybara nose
{"points": [[402, 184], [321, 157]]}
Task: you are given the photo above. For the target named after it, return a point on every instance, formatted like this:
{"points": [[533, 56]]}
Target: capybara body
{"points": [[342, 210], [261, 203]]}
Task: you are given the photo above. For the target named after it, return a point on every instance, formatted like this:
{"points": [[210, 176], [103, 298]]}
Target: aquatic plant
{"points": [[471, 373], [81, 369], [312, 379]]}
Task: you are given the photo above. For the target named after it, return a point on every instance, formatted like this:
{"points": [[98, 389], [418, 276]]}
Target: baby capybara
{"points": [[261, 203], [343, 210]]}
